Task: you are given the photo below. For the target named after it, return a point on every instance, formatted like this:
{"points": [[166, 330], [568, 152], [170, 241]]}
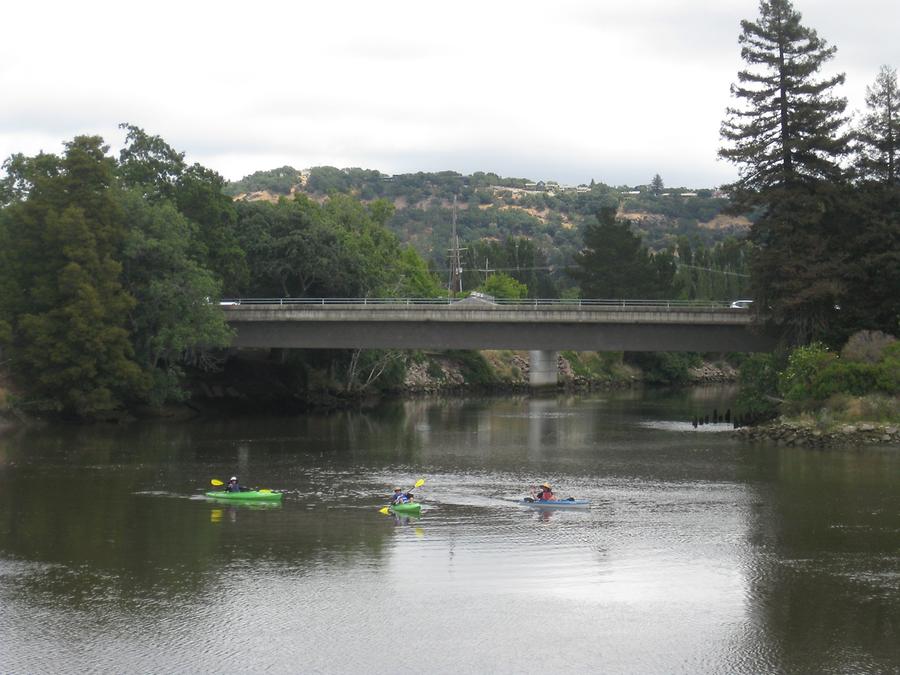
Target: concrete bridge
{"points": [[544, 327]]}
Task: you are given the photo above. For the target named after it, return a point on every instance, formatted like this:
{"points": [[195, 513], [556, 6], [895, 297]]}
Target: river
{"points": [[699, 553]]}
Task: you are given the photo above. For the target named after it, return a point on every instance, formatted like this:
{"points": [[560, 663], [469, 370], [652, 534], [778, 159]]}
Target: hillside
{"points": [[491, 209]]}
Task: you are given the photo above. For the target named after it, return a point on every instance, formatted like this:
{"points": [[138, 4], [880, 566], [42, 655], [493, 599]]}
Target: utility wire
{"points": [[553, 268]]}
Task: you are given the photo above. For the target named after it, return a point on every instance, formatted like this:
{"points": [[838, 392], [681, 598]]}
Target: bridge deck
{"points": [[479, 325]]}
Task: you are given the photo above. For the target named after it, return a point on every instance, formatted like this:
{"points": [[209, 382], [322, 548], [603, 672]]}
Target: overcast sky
{"points": [[569, 90]]}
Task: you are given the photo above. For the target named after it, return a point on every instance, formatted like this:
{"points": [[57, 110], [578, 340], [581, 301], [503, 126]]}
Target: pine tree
{"points": [[878, 150], [788, 139], [788, 131], [615, 264], [657, 185]]}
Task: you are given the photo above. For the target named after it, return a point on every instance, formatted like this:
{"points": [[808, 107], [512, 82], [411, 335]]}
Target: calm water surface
{"points": [[699, 554]]}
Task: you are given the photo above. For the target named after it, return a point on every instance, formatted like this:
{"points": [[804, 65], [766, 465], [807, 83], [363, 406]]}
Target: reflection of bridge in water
{"points": [[543, 327]]}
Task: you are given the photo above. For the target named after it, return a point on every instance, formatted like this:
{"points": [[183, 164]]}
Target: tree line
{"points": [[111, 268], [825, 256]]}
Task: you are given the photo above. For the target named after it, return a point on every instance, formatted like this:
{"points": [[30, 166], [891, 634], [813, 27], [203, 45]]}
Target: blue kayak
{"points": [[558, 503]]}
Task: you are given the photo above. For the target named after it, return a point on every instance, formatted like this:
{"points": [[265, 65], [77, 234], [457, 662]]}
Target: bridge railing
{"points": [[481, 302]]}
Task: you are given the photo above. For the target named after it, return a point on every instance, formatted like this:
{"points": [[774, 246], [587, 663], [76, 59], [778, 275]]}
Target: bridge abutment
{"points": [[543, 370]]}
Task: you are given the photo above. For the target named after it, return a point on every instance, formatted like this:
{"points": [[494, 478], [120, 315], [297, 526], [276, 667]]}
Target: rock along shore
{"points": [[789, 433]]}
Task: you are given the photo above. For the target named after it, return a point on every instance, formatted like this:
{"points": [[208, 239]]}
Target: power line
{"points": [[710, 269], [554, 268]]}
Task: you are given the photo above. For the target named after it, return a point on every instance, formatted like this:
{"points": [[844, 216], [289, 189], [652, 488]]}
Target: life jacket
{"points": [[546, 496]]}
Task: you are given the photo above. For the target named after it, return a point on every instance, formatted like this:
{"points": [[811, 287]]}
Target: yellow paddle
{"points": [[419, 483]]}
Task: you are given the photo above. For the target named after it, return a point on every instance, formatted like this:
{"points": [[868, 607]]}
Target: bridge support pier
{"points": [[543, 370]]}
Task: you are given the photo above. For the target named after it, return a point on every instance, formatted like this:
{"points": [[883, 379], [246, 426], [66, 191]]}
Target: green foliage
{"points": [[887, 377], [878, 149], [664, 367], [415, 280], [489, 216], [788, 130], [594, 366], [199, 197], [279, 181], [803, 367], [758, 381], [614, 263], [814, 374], [819, 244], [864, 234], [434, 370], [340, 248], [106, 291], [151, 165], [720, 272], [299, 248], [503, 286], [68, 311], [842, 377], [173, 315], [474, 367], [519, 258]]}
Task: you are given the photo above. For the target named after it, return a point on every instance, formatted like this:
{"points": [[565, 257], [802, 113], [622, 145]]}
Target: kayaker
{"points": [[399, 497], [233, 485], [546, 494]]}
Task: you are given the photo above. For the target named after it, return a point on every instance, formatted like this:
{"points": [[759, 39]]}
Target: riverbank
{"points": [[508, 370], [261, 381], [257, 381], [807, 434]]}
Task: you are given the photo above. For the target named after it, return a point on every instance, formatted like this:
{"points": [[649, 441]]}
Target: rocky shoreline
{"points": [[790, 433]]}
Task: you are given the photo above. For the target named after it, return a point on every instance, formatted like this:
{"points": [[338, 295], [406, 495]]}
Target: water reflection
{"points": [[698, 553]]}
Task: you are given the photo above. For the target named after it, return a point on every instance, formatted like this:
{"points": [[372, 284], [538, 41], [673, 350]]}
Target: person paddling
{"points": [[546, 494], [233, 485], [400, 497]]}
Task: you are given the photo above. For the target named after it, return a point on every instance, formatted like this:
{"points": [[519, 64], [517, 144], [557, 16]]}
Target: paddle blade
{"points": [[216, 481], [385, 510], [264, 490], [420, 483]]}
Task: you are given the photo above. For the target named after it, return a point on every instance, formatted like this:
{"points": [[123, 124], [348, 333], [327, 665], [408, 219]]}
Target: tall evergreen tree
{"points": [[615, 264], [878, 150], [69, 338], [789, 129], [788, 139]]}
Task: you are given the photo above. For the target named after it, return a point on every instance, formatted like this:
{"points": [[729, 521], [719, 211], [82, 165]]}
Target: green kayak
{"points": [[247, 495], [409, 508]]}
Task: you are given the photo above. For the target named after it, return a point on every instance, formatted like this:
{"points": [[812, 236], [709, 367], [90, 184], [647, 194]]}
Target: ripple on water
{"points": [[669, 425]]}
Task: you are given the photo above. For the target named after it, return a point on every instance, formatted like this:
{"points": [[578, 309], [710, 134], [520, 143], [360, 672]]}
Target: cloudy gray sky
{"points": [[570, 90]]}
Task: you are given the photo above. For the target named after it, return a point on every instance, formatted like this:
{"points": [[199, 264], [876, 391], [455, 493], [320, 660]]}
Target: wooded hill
{"points": [[494, 208]]}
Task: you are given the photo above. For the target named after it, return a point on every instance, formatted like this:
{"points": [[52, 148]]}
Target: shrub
{"points": [[475, 368], [888, 371], [867, 346], [804, 363], [843, 377], [665, 367], [435, 372], [759, 384]]}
